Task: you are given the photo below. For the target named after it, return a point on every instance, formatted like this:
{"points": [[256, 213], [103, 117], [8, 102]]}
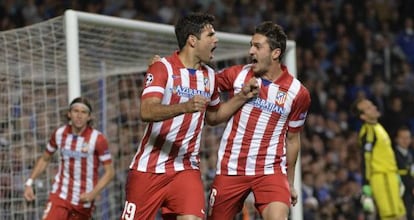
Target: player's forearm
{"points": [[366, 169], [104, 180], [40, 166], [292, 152], [160, 112], [291, 168], [225, 111]]}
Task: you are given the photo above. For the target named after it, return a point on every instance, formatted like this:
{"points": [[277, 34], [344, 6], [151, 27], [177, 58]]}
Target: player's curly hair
{"points": [[191, 24], [275, 34]]}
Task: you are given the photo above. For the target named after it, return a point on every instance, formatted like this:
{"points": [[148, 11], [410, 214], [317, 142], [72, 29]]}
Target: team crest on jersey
{"points": [[85, 147], [281, 97], [149, 79]]}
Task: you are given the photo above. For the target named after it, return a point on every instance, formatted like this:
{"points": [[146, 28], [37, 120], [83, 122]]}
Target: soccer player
{"points": [[179, 93], [261, 141], [380, 172], [405, 163], [77, 182]]}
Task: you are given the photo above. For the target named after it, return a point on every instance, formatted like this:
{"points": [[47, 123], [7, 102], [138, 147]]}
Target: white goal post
{"points": [[45, 65]]}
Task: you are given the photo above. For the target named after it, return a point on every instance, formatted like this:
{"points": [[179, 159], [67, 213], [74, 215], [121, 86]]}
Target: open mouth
{"points": [[253, 60], [212, 52]]}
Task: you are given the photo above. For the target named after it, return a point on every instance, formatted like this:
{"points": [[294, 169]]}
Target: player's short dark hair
{"points": [[275, 34], [354, 107], [191, 24]]}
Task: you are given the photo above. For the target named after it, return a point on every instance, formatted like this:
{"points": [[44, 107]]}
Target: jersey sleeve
{"points": [[367, 142], [51, 146], [155, 81], [215, 97], [102, 150], [300, 107], [226, 77]]}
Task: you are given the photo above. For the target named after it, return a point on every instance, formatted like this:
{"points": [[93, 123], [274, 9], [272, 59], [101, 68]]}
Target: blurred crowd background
{"points": [[345, 50]]}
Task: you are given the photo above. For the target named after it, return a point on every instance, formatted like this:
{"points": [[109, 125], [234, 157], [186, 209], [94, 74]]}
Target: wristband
{"points": [[29, 182]]}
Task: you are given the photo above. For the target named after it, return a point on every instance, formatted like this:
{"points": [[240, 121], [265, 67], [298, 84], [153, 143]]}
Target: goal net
{"points": [[45, 65]]}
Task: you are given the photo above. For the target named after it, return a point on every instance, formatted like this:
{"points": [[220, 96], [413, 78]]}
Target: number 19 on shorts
{"points": [[129, 211]]}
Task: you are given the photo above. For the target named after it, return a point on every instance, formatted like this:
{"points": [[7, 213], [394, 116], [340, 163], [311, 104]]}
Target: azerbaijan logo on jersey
{"points": [[74, 154], [188, 92], [267, 106], [276, 106]]}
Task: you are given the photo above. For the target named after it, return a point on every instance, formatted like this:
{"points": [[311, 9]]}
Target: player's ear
{"points": [[276, 53], [363, 117], [68, 115], [192, 40]]}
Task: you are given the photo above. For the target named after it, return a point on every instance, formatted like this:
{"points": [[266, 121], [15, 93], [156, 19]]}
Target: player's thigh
{"points": [[272, 189], [144, 195], [52, 210], [386, 192], [227, 196], [185, 196]]}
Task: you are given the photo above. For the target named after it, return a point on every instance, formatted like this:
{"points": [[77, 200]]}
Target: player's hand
{"points": [[87, 197], [154, 59], [367, 204], [366, 199], [293, 196], [29, 193], [250, 89], [197, 103]]}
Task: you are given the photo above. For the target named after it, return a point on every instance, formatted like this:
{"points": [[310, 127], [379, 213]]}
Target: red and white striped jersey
{"points": [[173, 144], [253, 142], [80, 157]]}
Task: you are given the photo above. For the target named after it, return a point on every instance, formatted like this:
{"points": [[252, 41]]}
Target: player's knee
{"points": [[275, 211], [188, 217]]}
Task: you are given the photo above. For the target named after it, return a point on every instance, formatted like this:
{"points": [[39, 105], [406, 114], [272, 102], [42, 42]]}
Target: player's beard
{"points": [[261, 66]]}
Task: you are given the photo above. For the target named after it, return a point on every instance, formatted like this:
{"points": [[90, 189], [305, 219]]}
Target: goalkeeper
{"points": [[380, 172]]}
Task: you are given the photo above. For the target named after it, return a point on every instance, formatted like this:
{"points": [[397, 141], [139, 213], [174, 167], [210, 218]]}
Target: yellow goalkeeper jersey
{"points": [[377, 147]]}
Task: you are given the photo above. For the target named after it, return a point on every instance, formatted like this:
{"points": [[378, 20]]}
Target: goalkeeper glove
{"points": [[366, 190], [366, 199]]}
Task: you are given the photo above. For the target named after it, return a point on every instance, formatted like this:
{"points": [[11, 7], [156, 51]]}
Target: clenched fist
{"points": [[197, 103], [250, 89]]}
